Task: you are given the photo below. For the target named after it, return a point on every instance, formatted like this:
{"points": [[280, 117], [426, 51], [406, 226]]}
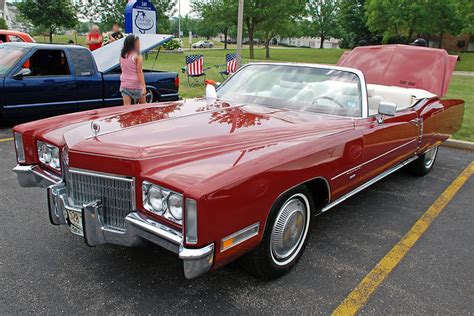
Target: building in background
{"points": [[5, 13], [311, 42], [10, 13], [461, 43]]}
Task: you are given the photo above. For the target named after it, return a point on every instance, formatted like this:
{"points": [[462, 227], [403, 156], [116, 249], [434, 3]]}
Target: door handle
{"points": [[415, 121]]}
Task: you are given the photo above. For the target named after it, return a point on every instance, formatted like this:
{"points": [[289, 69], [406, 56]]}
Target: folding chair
{"points": [[231, 65], [195, 69]]}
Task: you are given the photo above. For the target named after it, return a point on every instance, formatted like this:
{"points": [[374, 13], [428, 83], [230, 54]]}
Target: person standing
{"points": [[94, 38], [116, 33], [132, 80]]}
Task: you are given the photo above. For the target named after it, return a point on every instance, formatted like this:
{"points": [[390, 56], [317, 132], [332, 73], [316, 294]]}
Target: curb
{"points": [[459, 144]]}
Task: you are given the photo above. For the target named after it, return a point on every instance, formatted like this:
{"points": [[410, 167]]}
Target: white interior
{"points": [[402, 97]]}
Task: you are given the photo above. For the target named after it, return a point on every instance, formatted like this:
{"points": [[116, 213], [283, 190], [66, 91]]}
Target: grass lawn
{"points": [[466, 63], [463, 88]]}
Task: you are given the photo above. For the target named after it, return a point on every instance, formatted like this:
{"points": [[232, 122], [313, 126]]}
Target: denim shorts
{"points": [[135, 94]]}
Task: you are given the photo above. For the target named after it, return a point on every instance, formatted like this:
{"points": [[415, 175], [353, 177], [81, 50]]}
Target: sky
{"points": [[185, 7]]}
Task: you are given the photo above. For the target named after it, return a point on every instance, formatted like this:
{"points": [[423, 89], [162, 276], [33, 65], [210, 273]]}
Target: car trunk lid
{"points": [[403, 66]]}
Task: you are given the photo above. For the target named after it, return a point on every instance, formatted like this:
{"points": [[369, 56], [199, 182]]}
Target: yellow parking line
{"points": [[360, 295], [5, 139]]}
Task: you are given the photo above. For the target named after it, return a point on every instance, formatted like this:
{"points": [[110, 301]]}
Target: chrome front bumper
{"points": [[138, 228]]}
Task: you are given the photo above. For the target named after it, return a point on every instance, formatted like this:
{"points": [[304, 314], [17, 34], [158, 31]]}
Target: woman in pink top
{"points": [[132, 81]]}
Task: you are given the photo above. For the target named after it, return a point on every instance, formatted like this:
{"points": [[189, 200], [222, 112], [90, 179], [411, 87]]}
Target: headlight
{"points": [[20, 149], [48, 155], [163, 202]]}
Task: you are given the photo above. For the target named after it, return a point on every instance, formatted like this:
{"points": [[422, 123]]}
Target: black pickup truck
{"points": [[40, 80]]}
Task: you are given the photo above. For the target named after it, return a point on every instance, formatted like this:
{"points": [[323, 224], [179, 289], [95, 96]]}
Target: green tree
{"points": [[221, 15], [323, 14], [3, 24], [468, 13], [254, 16], [404, 20], [49, 14], [288, 12], [446, 18], [353, 24]]}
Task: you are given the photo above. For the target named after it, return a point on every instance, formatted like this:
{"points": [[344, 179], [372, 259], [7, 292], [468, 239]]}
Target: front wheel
{"points": [[423, 165], [285, 236]]}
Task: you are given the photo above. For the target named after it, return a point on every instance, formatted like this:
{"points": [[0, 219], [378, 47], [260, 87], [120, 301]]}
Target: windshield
{"points": [[312, 89], [9, 56]]}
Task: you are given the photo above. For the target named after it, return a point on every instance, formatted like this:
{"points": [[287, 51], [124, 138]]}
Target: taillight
{"points": [[176, 83]]}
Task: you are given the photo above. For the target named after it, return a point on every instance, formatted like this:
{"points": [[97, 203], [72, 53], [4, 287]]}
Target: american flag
{"points": [[231, 60], [195, 65]]}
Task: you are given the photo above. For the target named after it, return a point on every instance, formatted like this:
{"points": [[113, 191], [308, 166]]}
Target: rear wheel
{"points": [[150, 96], [423, 165], [285, 236]]}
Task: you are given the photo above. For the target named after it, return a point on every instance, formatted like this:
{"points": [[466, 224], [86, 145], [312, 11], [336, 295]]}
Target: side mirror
{"points": [[211, 94], [387, 108], [22, 73]]}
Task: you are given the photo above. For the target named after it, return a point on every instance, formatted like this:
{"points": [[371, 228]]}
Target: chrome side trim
{"points": [[170, 95], [369, 183], [373, 159], [241, 236], [308, 180]]}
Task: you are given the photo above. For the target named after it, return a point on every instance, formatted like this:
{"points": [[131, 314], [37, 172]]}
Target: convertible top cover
{"points": [[403, 66], [107, 57]]}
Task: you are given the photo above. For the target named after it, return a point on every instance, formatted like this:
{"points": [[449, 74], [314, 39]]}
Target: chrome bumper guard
{"points": [[88, 223]]}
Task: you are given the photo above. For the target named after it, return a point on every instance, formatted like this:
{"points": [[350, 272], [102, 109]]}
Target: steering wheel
{"points": [[330, 99]]}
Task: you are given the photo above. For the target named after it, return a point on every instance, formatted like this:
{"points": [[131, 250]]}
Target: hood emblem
{"points": [[95, 127]]}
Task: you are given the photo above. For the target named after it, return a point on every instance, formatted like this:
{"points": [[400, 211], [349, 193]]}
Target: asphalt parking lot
{"points": [[46, 269]]}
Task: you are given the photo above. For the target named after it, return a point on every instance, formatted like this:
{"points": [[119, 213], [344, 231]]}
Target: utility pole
{"points": [[179, 19], [240, 25]]}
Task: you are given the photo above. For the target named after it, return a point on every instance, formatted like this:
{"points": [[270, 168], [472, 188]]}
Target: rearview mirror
{"points": [[211, 94], [387, 108], [22, 73]]}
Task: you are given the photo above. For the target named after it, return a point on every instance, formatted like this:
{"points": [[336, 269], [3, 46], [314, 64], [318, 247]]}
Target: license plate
{"points": [[75, 221]]}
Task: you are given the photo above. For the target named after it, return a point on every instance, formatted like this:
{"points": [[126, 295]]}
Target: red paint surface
{"points": [[403, 66]]}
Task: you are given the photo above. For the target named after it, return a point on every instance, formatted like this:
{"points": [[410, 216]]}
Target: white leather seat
{"points": [[374, 101]]}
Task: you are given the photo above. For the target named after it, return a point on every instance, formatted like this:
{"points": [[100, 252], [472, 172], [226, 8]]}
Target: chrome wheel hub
{"points": [[149, 96], [289, 229], [430, 156]]}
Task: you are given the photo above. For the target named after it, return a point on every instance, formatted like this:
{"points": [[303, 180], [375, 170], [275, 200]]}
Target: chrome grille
{"points": [[115, 192]]}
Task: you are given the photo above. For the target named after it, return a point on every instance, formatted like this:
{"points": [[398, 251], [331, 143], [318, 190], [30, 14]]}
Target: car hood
{"points": [[107, 57], [193, 127]]}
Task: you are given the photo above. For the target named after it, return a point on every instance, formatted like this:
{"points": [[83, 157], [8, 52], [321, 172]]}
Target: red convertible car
{"points": [[243, 172]]}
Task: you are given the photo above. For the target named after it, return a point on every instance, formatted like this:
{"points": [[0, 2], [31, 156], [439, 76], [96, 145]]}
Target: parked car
{"points": [[7, 36], [39, 80], [203, 44], [242, 172]]}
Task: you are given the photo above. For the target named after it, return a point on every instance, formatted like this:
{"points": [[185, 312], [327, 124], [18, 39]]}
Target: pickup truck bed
{"points": [[41, 80]]}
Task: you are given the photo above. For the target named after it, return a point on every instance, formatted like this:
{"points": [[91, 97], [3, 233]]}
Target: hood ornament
{"points": [[95, 127]]}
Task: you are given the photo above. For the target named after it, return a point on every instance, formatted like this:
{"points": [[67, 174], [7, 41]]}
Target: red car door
{"points": [[386, 143]]}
